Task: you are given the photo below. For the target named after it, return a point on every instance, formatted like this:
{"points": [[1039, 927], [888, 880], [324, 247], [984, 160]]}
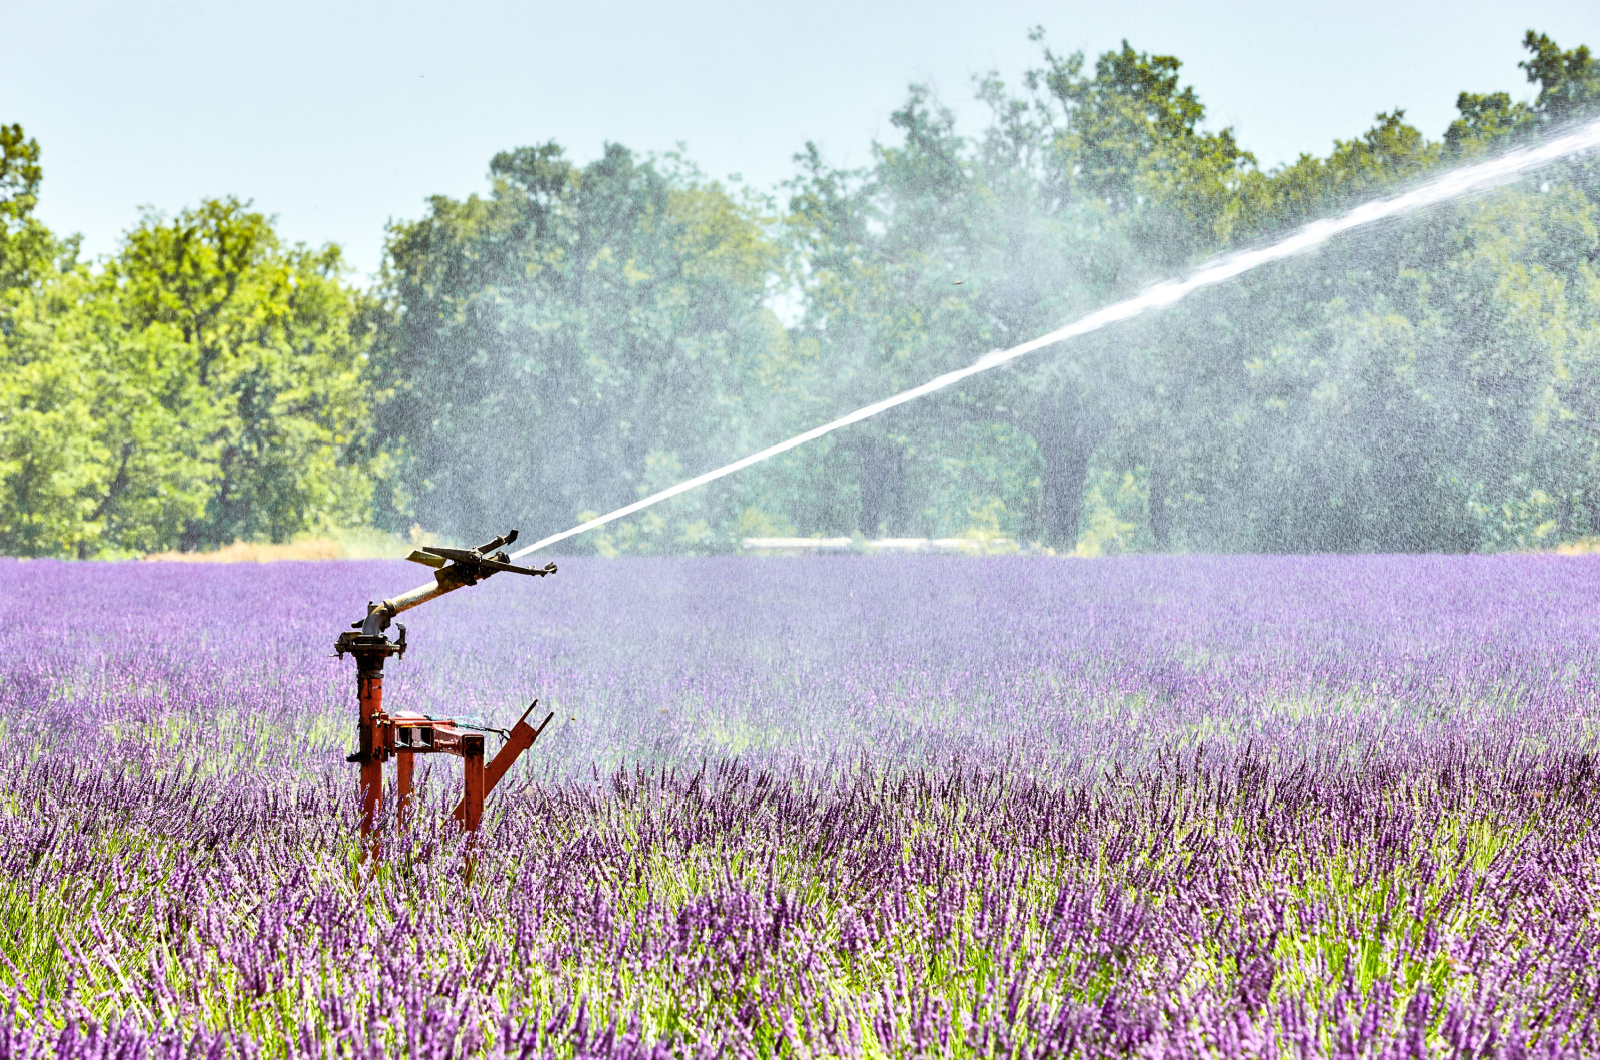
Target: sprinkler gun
{"points": [[401, 735], [456, 567]]}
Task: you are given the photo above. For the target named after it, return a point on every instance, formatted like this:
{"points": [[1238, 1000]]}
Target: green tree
{"points": [[1417, 386], [206, 385], [27, 247], [1083, 188], [573, 340], [1488, 121], [269, 346], [99, 450], [1569, 81], [1130, 134]]}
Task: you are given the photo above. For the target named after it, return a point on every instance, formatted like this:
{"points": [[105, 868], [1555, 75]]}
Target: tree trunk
{"points": [[883, 489], [1160, 518], [1065, 445]]}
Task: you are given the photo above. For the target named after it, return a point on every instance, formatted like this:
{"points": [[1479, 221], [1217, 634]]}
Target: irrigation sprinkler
{"points": [[402, 735]]}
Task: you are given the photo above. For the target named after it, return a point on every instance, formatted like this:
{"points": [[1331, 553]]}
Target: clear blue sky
{"points": [[337, 117]]}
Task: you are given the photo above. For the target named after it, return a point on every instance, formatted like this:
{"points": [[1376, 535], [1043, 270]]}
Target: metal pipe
{"points": [[403, 765], [447, 580], [378, 618], [369, 693], [421, 594], [472, 775]]}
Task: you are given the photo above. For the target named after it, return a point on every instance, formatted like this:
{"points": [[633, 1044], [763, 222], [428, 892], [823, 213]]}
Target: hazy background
{"points": [[337, 117], [606, 317]]}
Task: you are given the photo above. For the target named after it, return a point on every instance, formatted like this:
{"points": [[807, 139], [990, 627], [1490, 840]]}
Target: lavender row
{"points": [[1186, 911], [911, 660], [1335, 807]]}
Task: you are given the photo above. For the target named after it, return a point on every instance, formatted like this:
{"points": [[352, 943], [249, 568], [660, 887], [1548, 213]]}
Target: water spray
{"points": [[402, 735], [1458, 182]]}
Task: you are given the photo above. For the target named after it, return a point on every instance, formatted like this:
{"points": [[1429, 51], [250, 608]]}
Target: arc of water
{"points": [[1454, 184]]}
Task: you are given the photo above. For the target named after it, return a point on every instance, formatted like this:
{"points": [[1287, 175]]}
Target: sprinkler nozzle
{"points": [[455, 567]]}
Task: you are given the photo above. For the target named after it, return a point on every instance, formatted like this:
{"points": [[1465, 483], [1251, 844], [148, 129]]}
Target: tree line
{"points": [[582, 334]]}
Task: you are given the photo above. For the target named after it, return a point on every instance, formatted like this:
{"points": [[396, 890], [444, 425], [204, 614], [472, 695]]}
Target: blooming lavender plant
{"points": [[834, 806]]}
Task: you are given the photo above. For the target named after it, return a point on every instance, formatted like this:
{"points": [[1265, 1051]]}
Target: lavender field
{"points": [[916, 806]]}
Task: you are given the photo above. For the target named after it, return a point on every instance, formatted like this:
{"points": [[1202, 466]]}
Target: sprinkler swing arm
{"points": [[402, 735], [455, 568]]}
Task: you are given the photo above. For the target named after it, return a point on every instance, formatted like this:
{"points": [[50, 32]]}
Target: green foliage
{"points": [[1410, 388], [26, 245], [583, 335], [1488, 122], [273, 344], [1130, 134], [92, 458], [203, 386], [1569, 81], [562, 343]]}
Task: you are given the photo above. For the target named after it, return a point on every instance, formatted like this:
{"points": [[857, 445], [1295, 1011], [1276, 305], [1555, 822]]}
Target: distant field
{"points": [[342, 544], [905, 806]]}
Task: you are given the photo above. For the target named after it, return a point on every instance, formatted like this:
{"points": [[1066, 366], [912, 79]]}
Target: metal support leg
{"points": [[402, 785], [472, 803], [522, 737], [369, 689]]}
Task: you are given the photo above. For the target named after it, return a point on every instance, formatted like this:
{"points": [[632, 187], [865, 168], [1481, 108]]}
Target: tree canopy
{"points": [[582, 334], [205, 385]]}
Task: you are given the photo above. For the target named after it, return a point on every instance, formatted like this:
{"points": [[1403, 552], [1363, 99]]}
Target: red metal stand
{"points": [[403, 735], [402, 786], [369, 694]]}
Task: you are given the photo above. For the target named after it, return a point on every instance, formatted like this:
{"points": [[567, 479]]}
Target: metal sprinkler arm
{"points": [[456, 567]]}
